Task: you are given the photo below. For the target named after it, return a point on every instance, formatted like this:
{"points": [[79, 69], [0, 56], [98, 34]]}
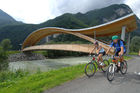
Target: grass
{"points": [[12, 52], [35, 83], [133, 53], [39, 82], [127, 57]]}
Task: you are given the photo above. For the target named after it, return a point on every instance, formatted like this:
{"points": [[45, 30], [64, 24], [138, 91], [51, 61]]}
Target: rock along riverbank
{"points": [[25, 57]]}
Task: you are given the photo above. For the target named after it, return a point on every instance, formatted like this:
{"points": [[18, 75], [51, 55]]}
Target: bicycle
{"points": [[93, 65], [113, 67]]}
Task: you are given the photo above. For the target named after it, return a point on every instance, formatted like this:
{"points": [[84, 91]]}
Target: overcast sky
{"points": [[37, 11]]}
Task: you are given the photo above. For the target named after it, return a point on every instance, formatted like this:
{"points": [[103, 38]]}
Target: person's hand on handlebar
{"points": [[121, 54]]}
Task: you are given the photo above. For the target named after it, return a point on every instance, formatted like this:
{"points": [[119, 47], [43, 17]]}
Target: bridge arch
{"points": [[128, 23], [36, 36]]}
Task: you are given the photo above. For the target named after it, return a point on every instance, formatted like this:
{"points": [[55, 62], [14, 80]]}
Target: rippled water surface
{"points": [[47, 64]]}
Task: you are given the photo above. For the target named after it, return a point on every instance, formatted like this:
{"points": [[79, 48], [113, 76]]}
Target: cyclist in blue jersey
{"points": [[100, 51], [118, 44]]}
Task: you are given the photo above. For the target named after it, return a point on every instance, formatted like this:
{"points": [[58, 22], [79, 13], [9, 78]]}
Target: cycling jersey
{"points": [[118, 46], [101, 50]]}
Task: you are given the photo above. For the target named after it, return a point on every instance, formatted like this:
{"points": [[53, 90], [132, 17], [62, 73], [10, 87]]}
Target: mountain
{"points": [[18, 33], [6, 19], [65, 21], [94, 17]]}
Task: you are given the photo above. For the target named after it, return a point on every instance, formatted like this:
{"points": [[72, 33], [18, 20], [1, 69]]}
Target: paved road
{"points": [[130, 83]]}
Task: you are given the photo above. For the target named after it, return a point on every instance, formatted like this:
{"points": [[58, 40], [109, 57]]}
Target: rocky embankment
{"points": [[25, 57]]}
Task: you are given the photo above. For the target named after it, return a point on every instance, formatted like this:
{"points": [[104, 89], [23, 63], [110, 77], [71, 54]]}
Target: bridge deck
{"points": [[86, 48]]}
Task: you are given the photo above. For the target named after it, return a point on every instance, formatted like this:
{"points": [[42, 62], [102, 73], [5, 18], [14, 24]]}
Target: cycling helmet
{"points": [[115, 37]]}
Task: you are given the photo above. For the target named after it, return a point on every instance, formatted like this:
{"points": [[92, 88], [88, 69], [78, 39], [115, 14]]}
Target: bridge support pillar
{"points": [[47, 39], [128, 43], [123, 33]]}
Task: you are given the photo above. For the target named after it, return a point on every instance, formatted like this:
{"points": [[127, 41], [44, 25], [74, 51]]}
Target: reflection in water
{"points": [[47, 64]]}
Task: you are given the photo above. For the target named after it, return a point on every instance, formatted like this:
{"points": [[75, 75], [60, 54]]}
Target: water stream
{"points": [[47, 64]]}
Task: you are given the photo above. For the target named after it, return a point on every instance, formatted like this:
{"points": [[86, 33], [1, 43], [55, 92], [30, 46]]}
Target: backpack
{"points": [[119, 42]]}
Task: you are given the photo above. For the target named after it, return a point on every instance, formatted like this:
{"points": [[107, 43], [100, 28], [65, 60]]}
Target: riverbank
{"points": [[25, 57], [14, 56], [40, 81]]}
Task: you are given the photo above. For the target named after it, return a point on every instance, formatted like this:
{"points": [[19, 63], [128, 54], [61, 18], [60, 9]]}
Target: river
{"points": [[47, 64]]}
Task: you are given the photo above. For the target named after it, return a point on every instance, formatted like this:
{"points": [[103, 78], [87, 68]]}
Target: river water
{"points": [[47, 64]]}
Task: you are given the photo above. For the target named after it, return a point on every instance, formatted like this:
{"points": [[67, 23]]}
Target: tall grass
{"points": [[38, 82], [9, 75]]}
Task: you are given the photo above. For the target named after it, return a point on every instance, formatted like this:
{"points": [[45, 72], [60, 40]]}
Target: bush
{"points": [[6, 44]]}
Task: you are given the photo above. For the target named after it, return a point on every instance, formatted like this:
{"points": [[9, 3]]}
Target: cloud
{"points": [[134, 5], [74, 6], [30, 11], [37, 11]]}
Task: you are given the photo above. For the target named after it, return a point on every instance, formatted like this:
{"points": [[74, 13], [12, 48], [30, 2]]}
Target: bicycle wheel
{"points": [[123, 68], [104, 68], [110, 72], [90, 69]]}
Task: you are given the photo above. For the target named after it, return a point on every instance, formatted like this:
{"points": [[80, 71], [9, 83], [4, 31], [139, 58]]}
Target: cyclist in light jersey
{"points": [[100, 51]]}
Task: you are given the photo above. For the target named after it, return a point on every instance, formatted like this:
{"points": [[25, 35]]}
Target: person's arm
{"points": [[99, 49], [111, 45], [92, 50], [122, 48], [108, 50]]}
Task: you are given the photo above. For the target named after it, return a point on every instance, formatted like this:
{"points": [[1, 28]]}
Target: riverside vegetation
{"points": [[24, 82]]}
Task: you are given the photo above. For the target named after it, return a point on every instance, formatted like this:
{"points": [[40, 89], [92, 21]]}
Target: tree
{"points": [[3, 59], [6, 44], [135, 44]]}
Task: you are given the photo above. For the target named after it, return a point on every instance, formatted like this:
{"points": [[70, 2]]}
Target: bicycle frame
{"points": [[116, 59], [94, 59]]}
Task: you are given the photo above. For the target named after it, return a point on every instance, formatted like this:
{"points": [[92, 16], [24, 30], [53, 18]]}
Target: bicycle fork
{"points": [[112, 68]]}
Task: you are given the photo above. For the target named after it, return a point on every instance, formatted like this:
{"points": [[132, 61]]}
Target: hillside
{"points": [[6, 19], [94, 17], [17, 33]]}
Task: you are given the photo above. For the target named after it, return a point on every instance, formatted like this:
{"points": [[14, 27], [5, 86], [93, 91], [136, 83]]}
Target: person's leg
{"points": [[121, 57], [100, 58], [118, 65], [117, 53]]}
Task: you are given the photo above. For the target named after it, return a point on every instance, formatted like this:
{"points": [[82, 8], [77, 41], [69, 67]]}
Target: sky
{"points": [[38, 11]]}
